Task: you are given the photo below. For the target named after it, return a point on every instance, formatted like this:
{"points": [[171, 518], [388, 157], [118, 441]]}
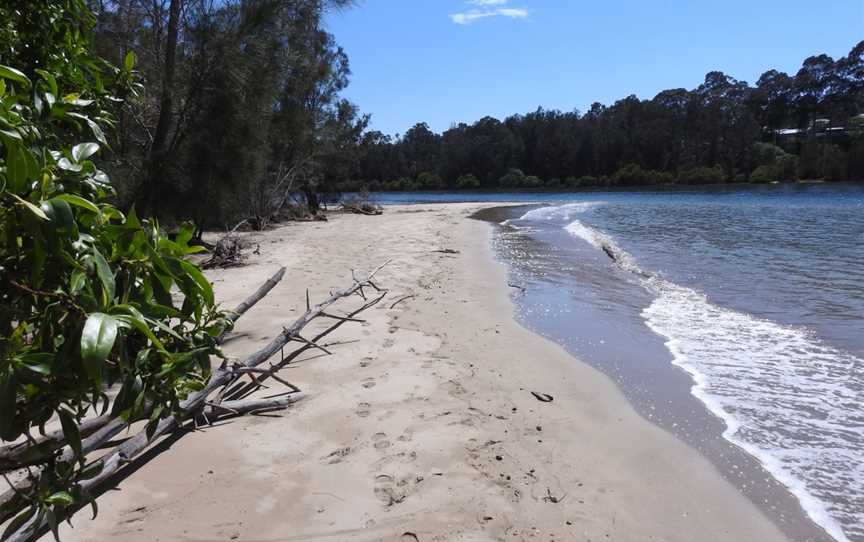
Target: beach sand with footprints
{"points": [[430, 421]]}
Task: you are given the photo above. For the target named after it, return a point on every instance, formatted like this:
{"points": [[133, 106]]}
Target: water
{"points": [[758, 295], [732, 317]]}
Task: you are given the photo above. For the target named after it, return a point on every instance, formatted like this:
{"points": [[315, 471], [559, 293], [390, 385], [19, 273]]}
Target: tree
{"points": [[708, 134], [88, 291]]}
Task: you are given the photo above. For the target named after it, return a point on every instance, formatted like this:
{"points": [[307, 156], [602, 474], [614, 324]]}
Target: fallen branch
{"points": [[198, 404], [252, 300]]}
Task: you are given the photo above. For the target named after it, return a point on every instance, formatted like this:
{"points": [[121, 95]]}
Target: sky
{"points": [[448, 61]]}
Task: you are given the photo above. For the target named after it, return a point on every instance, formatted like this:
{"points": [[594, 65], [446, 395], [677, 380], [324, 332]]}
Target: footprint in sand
{"points": [[336, 456], [386, 491], [369, 383], [363, 409], [379, 441], [392, 491]]}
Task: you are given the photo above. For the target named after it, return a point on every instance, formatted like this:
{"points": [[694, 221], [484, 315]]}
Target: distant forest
{"points": [[804, 126], [234, 110]]}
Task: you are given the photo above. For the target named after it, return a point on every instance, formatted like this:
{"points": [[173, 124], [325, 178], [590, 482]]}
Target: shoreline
{"points": [[664, 390], [422, 423]]}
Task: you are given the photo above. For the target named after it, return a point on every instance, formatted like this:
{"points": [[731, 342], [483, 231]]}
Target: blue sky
{"points": [[449, 61]]}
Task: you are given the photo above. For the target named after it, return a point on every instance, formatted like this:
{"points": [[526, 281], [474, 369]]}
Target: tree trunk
{"points": [[156, 157], [312, 203]]}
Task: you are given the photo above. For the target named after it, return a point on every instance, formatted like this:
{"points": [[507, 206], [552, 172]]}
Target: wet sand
{"points": [[422, 425], [611, 336]]}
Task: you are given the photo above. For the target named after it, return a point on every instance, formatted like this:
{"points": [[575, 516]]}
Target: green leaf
{"points": [[39, 362], [103, 270], [141, 325], [32, 208], [125, 398], [51, 517], [67, 165], [16, 166], [82, 151], [78, 201], [77, 282], [129, 61], [8, 72], [59, 212], [70, 431], [97, 340], [62, 498], [52, 82], [187, 230], [199, 278], [94, 127], [75, 99]]}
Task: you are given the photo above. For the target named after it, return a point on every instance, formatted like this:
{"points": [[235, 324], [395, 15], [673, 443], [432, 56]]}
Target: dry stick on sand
{"points": [[222, 378]]}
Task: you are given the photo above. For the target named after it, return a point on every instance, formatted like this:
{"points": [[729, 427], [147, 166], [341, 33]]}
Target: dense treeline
{"points": [[807, 126], [240, 108]]}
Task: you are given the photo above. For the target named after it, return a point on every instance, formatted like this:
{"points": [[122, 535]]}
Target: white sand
{"points": [[426, 424]]}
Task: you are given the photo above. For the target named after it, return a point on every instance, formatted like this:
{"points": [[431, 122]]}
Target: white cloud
{"points": [[487, 2], [470, 16], [513, 13]]}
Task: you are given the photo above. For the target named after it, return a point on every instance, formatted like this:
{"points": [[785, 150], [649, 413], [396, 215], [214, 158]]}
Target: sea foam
{"points": [[786, 398]]}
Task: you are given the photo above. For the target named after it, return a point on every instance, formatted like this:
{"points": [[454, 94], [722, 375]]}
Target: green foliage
{"points": [[634, 175], [467, 182], [702, 175], [774, 164], [679, 135], [90, 296], [430, 181], [514, 178], [763, 174]]}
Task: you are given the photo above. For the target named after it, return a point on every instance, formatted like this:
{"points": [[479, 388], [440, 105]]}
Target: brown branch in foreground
{"points": [[222, 378]]}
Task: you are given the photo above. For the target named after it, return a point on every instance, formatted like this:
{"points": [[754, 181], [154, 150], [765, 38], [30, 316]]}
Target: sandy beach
{"points": [[422, 425]]}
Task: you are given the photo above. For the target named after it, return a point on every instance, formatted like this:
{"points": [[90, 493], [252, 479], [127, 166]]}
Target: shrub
{"points": [[514, 178], [88, 291], [702, 175], [429, 181], [763, 174], [532, 181], [467, 182], [633, 174]]}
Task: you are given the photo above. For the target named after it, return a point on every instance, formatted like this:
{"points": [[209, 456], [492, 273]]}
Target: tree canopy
{"points": [[806, 125]]}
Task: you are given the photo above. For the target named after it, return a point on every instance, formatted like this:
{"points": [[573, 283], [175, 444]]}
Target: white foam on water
{"points": [[602, 241], [785, 398], [560, 213]]}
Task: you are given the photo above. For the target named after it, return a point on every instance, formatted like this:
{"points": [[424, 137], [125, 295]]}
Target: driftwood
{"points": [[362, 209], [224, 395], [609, 252], [228, 252]]}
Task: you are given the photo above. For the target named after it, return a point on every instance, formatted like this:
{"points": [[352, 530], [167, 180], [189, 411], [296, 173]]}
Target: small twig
{"points": [[401, 299], [300, 338]]}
